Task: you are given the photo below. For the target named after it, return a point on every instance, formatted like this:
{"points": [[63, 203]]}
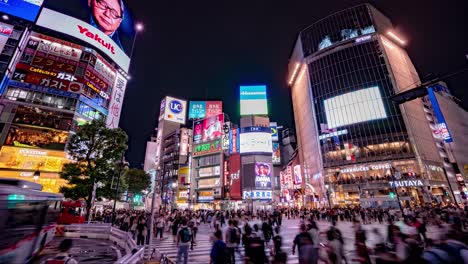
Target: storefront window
{"points": [[29, 96], [33, 137], [43, 118]]}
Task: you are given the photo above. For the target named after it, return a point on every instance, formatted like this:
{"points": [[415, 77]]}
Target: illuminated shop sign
{"points": [[43, 89], [334, 134], [32, 159], [175, 110], [366, 168], [274, 131], [207, 148], [276, 155], [410, 183], [115, 106], [257, 194], [234, 142]]}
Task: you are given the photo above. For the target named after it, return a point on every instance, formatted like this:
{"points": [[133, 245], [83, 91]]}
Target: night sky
{"points": [[206, 49]]}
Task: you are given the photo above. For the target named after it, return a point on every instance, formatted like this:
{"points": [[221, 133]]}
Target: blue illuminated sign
{"points": [[255, 92], [176, 106], [26, 9], [197, 109], [255, 129], [43, 89], [441, 124]]}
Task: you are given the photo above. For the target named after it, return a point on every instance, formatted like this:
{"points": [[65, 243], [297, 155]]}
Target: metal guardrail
{"points": [[107, 232]]}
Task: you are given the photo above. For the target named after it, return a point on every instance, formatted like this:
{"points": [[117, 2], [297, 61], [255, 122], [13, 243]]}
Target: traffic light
{"points": [[446, 193], [392, 195]]}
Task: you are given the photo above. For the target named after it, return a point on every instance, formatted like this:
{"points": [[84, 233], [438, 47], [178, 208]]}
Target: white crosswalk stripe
{"points": [[201, 251]]}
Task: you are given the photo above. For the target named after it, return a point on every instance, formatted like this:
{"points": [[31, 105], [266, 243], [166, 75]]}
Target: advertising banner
{"points": [[175, 110], [45, 78], [289, 178], [184, 142], [234, 176], [25, 9], [234, 142], [197, 131], [276, 156], [263, 175], [5, 32], [214, 108], [32, 159], [274, 131], [109, 31], [213, 127], [197, 109], [441, 125], [297, 174], [225, 139], [258, 195], [207, 148], [162, 108], [253, 100], [115, 107], [184, 175]]}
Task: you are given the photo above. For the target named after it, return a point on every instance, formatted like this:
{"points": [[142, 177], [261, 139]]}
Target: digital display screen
{"points": [[354, 107], [253, 100], [25, 9]]}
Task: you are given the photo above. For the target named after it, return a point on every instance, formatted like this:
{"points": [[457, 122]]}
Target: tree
{"points": [[136, 180], [97, 152]]}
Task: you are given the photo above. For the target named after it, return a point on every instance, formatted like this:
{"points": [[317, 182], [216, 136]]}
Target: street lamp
{"points": [[122, 164], [139, 27], [328, 195]]}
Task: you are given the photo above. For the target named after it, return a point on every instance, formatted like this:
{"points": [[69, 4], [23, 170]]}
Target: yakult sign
{"points": [[85, 32]]}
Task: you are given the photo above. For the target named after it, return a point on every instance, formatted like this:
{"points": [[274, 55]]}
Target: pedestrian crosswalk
{"points": [[201, 250]]}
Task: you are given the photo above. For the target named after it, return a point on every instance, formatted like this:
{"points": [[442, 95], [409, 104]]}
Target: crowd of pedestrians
{"points": [[405, 239]]}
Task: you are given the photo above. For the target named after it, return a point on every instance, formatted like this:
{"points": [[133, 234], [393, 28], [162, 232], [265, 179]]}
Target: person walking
{"points": [[159, 227], [232, 240], [141, 232], [304, 243], [219, 252], [184, 237]]}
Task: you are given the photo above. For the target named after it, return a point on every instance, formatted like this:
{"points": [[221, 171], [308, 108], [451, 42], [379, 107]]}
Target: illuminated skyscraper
{"points": [[352, 139]]}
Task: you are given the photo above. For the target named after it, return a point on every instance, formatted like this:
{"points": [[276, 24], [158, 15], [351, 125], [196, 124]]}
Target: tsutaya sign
{"points": [[410, 183]]}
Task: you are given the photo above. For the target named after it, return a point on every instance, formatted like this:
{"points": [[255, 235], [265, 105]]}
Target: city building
{"points": [[355, 145], [55, 77]]}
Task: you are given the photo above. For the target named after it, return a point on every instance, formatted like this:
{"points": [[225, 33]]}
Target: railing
{"points": [[107, 232]]}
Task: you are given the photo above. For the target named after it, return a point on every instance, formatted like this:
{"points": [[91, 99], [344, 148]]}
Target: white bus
{"points": [[27, 219]]}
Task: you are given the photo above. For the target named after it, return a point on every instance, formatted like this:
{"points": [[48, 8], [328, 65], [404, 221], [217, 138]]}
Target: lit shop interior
{"points": [[372, 185]]}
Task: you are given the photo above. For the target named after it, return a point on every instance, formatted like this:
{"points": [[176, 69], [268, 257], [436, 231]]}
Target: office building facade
{"points": [[354, 143]]}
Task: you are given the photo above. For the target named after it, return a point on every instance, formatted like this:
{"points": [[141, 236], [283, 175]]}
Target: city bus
{"points": [[27, 219]]}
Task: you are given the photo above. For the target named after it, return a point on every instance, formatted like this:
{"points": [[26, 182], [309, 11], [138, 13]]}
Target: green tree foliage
{"points": [[97, 152], [136, 180]]}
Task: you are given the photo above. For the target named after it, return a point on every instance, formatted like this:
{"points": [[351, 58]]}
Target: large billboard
{"points": [[32, 159], [234, 142], [5, 32], [175, 110], [253, 100], [105, 24], [25, 9], [115, 107], [255, 140], [263, 175], [354, 107], [208, 129], [203, 109]]}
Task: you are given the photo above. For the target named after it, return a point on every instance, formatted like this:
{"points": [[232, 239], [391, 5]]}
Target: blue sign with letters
{"points": [[175, 106], [21, 8], [197, 109]]}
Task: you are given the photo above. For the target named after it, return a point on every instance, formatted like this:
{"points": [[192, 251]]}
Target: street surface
{"points": [[289, 229], [84, 250]]}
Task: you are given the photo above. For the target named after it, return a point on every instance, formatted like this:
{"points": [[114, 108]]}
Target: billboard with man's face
{"points": [[105, 24], [263, 175]]}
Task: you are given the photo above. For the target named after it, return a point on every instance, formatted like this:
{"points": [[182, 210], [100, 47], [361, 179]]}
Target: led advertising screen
{"points": [[234, 176], [297, 174], [354, 107], [106, 24], [263, 175], [276, 156], [213, 127], [5, 32], [253, 100], [25, 9], [197, 131], [234, 143], [175, 110], [255, 140], [214, 108]]}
